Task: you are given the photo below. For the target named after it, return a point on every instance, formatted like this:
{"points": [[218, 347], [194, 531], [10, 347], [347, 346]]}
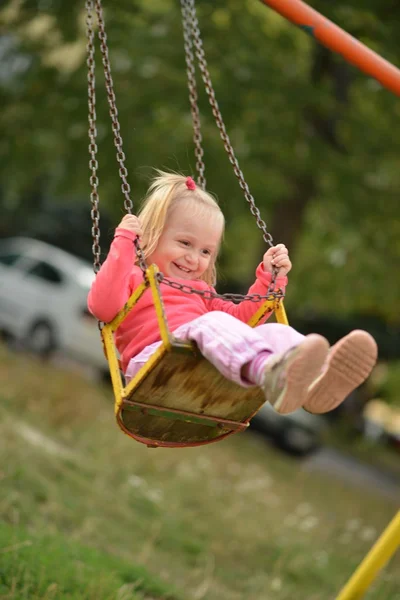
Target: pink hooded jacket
{"points": [[119, 277]]}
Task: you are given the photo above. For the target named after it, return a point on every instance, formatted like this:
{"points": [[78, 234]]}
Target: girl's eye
{"points": [[184, 242], [206, 252]]}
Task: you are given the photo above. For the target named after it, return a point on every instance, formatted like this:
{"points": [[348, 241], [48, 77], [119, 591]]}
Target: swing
{"points": [[177, 399]]}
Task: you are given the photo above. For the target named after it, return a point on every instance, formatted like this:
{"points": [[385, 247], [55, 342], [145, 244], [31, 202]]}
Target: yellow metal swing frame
{"points": [[170, 402]]}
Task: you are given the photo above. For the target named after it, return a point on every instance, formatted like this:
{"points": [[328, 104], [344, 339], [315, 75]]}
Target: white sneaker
{"points": [[288, 376], [349, 363]]}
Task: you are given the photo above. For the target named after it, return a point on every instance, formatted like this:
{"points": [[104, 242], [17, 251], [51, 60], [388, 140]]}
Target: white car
{"points": [[43, 296]]}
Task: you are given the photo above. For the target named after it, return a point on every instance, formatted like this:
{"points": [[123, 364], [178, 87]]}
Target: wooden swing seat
{"points": [[178, 398], [184, 401]]}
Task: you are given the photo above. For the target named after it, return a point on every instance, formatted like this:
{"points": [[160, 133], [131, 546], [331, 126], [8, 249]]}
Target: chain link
{"points": [[193, 96], [93, 164], [123, 171], [116, 128], [191, 37], [208, 294], [191, 24]]}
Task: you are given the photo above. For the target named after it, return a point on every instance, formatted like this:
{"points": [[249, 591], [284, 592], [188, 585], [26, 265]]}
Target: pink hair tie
{"points": [[190, 183]]}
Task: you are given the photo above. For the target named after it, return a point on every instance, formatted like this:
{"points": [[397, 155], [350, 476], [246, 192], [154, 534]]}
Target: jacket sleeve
{"points": [[246, 309], [117, 278]]}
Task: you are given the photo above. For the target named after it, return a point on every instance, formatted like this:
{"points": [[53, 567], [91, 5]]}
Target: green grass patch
{"points": [[37, 567], [88, 513]]}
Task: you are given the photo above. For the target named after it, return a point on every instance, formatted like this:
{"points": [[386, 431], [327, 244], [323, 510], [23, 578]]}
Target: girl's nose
{"points": [[191, 257]]}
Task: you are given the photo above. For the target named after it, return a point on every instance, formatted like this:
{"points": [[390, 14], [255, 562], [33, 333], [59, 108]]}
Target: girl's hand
{"points": [[277, 257], [131, 223]]}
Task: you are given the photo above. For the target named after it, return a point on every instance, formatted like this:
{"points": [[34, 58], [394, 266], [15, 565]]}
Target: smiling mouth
{"points": [[183, 269]]}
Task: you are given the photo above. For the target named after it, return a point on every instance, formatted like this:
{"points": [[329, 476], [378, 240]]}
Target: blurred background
{"points": [[315, 140]]}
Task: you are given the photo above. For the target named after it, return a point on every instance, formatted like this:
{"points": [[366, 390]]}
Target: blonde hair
{"points": [[165, 192]]}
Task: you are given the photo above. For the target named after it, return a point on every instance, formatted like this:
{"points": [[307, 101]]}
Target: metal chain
{"points": [[189, 14], [123, 171], [193, 96], [93, 164], [208, 294]]}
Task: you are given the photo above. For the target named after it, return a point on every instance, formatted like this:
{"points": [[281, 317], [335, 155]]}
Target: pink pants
{"points": [[227, 343]]}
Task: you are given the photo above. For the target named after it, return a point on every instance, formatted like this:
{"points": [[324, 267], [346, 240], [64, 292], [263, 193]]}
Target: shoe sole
{"points": [[301, 371], [351, 361]]}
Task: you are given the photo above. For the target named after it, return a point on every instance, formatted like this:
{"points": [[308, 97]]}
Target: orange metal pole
{"points": [[336, 39]]}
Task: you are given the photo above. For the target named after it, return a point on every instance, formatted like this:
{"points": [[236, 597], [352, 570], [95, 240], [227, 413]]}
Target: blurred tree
{"points": [[313, 136]]}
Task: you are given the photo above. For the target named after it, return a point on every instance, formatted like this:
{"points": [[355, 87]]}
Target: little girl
{"points": [[180, 228]]}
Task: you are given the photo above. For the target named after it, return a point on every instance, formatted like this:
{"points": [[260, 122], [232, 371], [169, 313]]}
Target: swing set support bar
{"points": [[377, 557], [336, 39]]}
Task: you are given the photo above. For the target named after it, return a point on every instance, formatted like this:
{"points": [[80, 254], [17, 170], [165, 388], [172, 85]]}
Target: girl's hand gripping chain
{"points": [[131, 223], [277, 257]]}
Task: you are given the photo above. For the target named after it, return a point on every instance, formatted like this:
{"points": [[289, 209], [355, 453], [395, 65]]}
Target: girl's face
{"points": [[188, 243]]}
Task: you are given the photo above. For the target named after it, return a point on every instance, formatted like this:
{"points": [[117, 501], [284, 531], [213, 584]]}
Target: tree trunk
{"points": [[287, 222], [289, 214]]}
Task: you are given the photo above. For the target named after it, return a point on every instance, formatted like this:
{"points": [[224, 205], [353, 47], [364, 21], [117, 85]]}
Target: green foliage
{"points": [[314, 137]]}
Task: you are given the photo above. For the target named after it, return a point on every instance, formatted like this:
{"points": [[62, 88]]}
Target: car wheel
{"points": [[104, 376], [41, 339]]}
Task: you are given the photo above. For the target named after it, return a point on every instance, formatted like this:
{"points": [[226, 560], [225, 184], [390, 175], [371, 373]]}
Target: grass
{"points": [[51, 566], [87, 513]]}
